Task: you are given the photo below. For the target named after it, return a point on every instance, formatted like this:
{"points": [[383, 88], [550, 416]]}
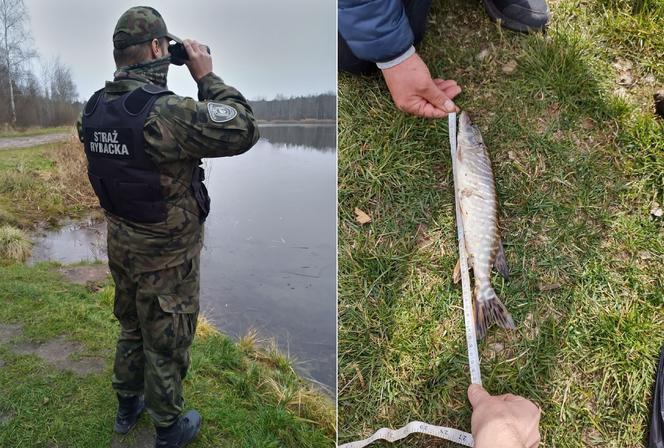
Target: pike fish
{"points": [[479, 212]]}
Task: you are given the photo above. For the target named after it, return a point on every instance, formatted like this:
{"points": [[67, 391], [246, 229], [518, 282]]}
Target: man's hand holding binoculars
{"points": [[200, 61]]}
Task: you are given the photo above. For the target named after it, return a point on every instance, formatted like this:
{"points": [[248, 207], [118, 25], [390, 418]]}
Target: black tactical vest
{"points": [[124, 178]]}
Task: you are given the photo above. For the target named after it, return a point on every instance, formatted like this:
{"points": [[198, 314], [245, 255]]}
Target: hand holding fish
{"points": [[504, 421], [415, 92]]}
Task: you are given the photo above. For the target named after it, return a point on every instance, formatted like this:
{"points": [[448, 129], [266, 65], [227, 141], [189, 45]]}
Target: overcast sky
{"points": [[261, 47]]}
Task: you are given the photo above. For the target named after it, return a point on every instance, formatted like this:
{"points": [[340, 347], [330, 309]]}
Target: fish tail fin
{"points": [[488, 309]]}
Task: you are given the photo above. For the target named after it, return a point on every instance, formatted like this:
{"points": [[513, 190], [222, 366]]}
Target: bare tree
{"points": [[15, 41], [46, 69], [62, 84]]}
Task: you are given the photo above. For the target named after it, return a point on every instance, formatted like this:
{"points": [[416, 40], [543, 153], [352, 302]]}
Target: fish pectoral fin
{"points": [[456, 275], [500, 263]]}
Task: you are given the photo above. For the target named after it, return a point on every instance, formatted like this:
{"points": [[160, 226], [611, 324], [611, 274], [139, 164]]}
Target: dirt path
{"points": [[56, 352], [33, 140]]}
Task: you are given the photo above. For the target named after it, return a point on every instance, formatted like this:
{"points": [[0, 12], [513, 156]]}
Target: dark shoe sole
{"points": [[124, 430], [495, 15]]}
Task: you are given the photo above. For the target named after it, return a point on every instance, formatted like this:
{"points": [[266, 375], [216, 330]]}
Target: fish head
{"points": [[464, 119], [468, 135]]}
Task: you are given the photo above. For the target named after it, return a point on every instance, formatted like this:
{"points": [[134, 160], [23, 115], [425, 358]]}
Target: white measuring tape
{"points": [[468, 318], [451, 434], [392, 435]]}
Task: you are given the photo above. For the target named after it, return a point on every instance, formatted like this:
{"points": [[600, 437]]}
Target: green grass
{"points": [[578, 165], [248, 397], [34, 131]]}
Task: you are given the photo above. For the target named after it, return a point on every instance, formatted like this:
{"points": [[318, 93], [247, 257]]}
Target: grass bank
{"points": [[578, 157], [44, 184], [248, 396]]}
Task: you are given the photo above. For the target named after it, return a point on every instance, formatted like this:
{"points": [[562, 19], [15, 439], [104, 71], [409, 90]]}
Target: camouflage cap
{"points": [[139, 24]]}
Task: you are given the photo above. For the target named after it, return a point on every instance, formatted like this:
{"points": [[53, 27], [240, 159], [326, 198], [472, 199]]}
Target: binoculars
{"points": [[178, 53]]}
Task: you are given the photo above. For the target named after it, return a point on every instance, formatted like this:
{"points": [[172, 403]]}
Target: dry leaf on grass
{"points": [[587, 123], [482, 55], [624, 72], [361, 217], [423, 240], [549, 287], [509, 67], [495, 348]]}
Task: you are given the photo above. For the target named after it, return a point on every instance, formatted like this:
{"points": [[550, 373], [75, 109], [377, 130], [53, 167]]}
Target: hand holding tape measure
{"points": [[498, 421]]}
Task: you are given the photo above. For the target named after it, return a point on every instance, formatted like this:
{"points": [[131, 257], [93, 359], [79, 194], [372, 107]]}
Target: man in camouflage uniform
{"points": [[154, 247]]}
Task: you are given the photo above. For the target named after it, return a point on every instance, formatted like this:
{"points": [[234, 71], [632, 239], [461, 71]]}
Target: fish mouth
{"points": [[464, 119], [467, 131]]}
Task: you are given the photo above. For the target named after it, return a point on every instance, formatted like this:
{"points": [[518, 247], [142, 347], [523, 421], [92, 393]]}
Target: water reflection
{"points": [[270, 254], [321, 137], [269, 261]]}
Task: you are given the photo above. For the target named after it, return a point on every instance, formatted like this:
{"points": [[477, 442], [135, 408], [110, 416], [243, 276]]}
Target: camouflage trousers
{"points": [[157, 312]]}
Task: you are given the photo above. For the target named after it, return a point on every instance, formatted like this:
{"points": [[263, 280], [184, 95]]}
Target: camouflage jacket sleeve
{"points": [[79, 125], [220, 124]]}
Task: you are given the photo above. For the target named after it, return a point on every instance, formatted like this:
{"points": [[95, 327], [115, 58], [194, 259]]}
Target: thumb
{"points": [[438, 98], [476, 394]]}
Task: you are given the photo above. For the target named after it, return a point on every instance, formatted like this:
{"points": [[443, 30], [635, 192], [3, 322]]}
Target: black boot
{"points": [[129, 409], [519, 15], [180, 433]]}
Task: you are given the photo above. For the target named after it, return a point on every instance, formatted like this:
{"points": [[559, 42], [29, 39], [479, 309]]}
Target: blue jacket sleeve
{"points": [[375, 30]]}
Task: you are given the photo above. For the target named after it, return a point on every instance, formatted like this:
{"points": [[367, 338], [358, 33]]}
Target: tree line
{"points": [[46, 98], [318, 107]]}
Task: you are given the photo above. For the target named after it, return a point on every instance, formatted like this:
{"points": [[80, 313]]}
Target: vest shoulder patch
{"points": [[220, 113]]}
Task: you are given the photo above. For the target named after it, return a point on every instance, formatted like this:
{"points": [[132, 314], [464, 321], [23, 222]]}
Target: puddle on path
{"points": [[72, 243]]}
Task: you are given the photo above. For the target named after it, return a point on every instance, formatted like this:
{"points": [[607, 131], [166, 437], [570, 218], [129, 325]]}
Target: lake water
{"points": [[269, 261]]}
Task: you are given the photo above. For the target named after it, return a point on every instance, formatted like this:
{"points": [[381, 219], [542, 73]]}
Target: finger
{"points": [[196, 46], [438, 98], [422, 108], [476, 394], [452, 91], [187, 46], [444, 83], [512, 398], [428, 110], [449, 87]]}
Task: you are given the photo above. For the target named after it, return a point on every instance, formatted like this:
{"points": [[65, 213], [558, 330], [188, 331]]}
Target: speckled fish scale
{"points": [[479, 210]]}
